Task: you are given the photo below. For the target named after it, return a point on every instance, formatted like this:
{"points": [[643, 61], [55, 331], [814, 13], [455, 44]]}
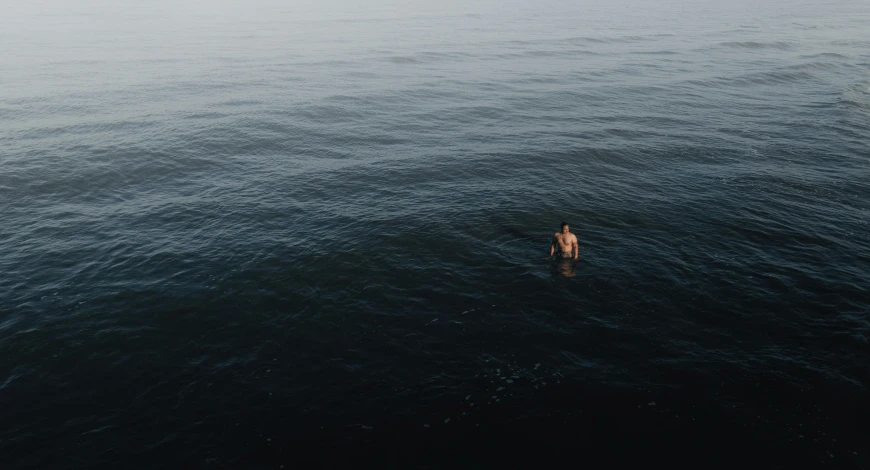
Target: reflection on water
{"points": [[564, 267]]}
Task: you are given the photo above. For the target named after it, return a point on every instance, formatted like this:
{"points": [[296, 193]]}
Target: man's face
{"points": [[565, 229]]}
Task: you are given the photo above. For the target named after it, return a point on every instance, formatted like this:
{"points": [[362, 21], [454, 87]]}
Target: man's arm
{"points": [[576, 248], [552, 245]]}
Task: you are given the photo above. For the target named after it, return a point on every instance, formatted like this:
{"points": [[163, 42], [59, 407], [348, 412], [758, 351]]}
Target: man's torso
{"points": [[565, 242]]}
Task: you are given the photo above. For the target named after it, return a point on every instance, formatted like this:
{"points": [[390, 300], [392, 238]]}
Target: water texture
{"points": [[244, 235]]}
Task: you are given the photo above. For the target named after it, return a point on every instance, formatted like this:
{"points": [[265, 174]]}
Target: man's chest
{"points": [[563, 240]]}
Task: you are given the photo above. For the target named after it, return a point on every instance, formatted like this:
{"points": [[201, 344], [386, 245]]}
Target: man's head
{"points": [[565, 227]]}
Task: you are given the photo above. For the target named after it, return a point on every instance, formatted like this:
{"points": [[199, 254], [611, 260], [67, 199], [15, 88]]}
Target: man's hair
{"points": [[563, 224]]}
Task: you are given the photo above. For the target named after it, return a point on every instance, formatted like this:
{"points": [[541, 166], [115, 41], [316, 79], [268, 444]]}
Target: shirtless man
{"points": [[566, 242]]}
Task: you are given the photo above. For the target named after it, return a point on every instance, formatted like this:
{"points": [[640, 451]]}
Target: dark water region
{"points": [[254, 236]]}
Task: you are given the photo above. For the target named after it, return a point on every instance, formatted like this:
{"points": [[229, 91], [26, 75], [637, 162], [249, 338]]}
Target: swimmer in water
{"points": [[564, 244]]}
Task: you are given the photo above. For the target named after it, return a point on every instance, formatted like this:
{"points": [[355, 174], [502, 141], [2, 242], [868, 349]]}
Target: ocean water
{"points": [[254, 234]]}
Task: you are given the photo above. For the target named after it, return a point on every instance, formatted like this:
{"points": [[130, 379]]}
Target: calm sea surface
{"points": [[253, 234]]}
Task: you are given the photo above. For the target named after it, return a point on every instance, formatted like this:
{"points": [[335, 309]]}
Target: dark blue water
{"points": [[254, 235]]}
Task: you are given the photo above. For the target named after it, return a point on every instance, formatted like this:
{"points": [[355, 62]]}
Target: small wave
{"points": [[78, 131], [7, 114], [657, 52], [27, 100], [585, 39], [206, 115], [426, 57], [824, 55], [402, 60], [544, 53], [322, 63], [539, 80], [610, 40], [852, 42], [445, 55], [330, 114], [365, 20], [805, 26], [807, 66], [239, 103], [465, 114], [764, 78], [629, 133], [857, 96], [753, 45], [9, 381], [362, 101]]}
